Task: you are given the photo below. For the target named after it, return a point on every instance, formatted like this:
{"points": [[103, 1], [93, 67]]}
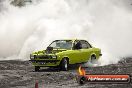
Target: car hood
{"points": [[54, 51]]}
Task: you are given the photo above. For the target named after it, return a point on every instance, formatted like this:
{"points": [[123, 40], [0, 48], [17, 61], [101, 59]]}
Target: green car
{"points": [[62, 53]]}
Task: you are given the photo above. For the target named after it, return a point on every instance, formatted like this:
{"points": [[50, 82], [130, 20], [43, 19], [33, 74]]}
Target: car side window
{"points": [[89, 46], [85, 44], [77, 45]]}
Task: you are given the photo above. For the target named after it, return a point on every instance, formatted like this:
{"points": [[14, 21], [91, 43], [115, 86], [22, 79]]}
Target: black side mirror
{"points": [[78, 46]]}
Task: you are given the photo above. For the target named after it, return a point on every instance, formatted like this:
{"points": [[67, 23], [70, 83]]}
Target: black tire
{"points": [[64, 65], [37, 68], [93, 59]]}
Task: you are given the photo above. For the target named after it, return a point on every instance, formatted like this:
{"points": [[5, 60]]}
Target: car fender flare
{"points": [[93, 54]]}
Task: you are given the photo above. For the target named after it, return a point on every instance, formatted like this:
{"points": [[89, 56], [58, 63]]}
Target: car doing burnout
{"points": [[62, 53]]}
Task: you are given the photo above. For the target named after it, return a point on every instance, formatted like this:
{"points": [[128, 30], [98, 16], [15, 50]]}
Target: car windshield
{"points": [[62, 44]]}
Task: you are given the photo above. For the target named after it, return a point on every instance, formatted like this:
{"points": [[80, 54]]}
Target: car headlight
{"points": [[54, 57], [31, 56]]}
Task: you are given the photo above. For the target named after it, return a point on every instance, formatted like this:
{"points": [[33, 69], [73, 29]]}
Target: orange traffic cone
{"points": [[36, 84]]}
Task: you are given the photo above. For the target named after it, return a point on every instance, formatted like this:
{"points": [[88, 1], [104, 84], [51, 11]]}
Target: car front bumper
{"points": [[45, 63]]}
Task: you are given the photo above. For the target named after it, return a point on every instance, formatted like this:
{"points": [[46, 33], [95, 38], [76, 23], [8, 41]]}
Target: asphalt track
{"points": [[20, 74]]}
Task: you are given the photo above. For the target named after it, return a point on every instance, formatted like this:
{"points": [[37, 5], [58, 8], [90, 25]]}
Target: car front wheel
{"points": [[64, 65], [37, 68]]}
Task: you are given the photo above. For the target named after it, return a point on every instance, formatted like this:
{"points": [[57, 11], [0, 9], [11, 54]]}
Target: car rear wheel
{"points": [[93, 59], [37, 68], [64, 65]]}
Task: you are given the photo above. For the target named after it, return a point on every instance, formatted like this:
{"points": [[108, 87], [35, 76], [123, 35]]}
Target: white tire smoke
{"points": [[104, 23]]}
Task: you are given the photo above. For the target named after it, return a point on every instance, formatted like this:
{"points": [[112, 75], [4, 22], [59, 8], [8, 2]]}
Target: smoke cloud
{"points": [[104, 23]]}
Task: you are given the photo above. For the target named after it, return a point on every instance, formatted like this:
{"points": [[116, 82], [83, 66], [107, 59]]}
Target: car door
{"points": [[85, 51], [75, 56]]}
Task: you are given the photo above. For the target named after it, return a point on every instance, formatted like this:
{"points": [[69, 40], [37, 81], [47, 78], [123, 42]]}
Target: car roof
{"points": [[71, 39]]}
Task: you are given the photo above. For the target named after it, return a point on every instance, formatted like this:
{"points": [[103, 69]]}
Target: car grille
{"points": [[44, 57]]}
